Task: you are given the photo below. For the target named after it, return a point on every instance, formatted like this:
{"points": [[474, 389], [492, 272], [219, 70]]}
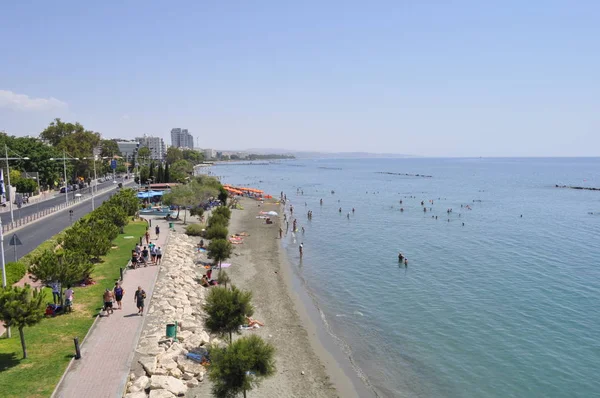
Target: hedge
{"points": [[194, 230], [15, 272]]}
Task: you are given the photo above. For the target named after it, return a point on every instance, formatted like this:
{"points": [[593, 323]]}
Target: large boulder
{"points": [[151, 350], [189, 366], [149, 364], [169, 383], [140, 384]]}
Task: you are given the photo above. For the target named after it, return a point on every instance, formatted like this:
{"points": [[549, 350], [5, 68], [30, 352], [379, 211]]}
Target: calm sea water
{"points": [[504, 306]]}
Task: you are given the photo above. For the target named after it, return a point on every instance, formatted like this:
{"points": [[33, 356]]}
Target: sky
{"points": [[427, 78]]}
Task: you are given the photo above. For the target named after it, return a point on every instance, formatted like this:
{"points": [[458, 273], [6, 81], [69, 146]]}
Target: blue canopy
{"points": [[149, 194]]}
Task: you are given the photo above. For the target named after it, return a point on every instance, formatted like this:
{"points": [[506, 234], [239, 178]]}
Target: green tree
{"points": [[91, 238], [65, 267], [109, 148], [224, 211], [217, 219], [20, 307], [125, 199], [57, 130], [181, 171], [144, 154], [160, 173], [241, 366], [219, 250], [223, 278], [197, 211], [25, 185], [195, 157], [174, 154], [151, 172], [167, 176], [226, 310], [217, 231], [223, 195]]}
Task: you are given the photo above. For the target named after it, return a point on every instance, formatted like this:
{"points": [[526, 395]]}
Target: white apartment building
{"points": [[181, 138], [156, 145]]}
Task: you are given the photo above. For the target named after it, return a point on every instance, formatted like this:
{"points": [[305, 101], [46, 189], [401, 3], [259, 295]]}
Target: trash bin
{"points": [[171, 330], [170, 225]]}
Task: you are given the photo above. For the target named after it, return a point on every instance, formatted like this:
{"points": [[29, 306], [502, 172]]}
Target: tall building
{"points": [[128, 148], [156, 145], [181, 138]]}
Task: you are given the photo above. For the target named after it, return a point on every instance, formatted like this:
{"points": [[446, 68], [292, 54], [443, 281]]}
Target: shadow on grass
{"points": [[8, 360]]}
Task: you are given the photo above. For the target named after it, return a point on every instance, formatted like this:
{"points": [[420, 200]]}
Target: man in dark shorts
{"points": [[139, 298], [119, 292], [158, 255], [157, 231], [145, 256], [108, 302]]}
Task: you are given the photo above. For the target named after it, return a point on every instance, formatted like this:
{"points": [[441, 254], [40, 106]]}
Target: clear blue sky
{"points": [[433, 78]]}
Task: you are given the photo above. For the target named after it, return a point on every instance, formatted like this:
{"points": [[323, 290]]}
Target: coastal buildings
{"points": [[210, 154], [156, 145], [181, 138], [128, 148]]}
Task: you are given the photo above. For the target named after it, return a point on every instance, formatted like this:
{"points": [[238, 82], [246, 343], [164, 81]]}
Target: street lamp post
{"points": [[95, 181], [10, 201], [64, 159]]}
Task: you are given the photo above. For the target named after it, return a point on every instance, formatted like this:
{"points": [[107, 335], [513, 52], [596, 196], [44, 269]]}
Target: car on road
{"points": [[65, 189]]}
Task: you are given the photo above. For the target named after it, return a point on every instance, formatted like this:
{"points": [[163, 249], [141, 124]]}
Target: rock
{"points": [[160, 394], [175, 372], [188, 366], [187, 376], [132, 376], [183, 336], [168, 383], [191, 325], [168, 364], [151, 350], [302, 373], [143, 382], [149, 365], [161, 372], [193, 383], [136, 395]]}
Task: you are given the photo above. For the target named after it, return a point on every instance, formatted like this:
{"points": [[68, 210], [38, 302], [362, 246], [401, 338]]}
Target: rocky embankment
{"points": [[161, 367]]}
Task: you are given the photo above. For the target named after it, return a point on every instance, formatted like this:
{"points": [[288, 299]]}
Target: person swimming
{"points": [[400, 256], [340, 210]]}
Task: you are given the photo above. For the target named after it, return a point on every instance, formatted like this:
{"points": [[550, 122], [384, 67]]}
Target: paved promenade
{"points": [[107, 352]]}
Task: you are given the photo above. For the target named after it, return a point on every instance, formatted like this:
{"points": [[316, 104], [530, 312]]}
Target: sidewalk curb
{"points": [[123, 384]]}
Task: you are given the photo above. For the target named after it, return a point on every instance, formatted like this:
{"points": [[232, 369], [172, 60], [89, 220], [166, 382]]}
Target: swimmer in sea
{"points": [[400, 256], [406, 262], [348, 216], [340, 210], [321, 202], [353, 210]]}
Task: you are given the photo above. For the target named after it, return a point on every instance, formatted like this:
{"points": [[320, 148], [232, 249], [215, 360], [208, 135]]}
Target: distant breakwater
{"points": [[575, 187], [403, 174]]}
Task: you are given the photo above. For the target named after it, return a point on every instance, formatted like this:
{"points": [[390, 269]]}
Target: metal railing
{"points": [[20, 222]]}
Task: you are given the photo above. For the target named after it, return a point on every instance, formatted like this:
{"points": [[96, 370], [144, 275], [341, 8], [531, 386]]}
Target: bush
{"points": [[194, 230], [14, 272], [218, 219], [217, 231], [223, 211]]}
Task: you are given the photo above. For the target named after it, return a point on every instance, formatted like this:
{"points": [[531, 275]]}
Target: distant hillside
{"points": [[328, 155]]}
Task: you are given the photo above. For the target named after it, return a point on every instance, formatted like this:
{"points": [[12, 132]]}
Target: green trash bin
{"points": [[172, 330], [170, 225]]}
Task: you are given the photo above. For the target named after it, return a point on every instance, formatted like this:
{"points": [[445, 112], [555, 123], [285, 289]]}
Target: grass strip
{"points": [[50, 343]]}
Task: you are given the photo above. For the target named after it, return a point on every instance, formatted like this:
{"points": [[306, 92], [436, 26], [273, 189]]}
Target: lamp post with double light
{"points": [[64, 160]]}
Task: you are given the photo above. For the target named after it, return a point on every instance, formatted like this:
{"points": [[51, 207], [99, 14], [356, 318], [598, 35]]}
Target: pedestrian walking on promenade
{"points": [[157, 231], [119, 292], [139, 298], [108, 302], [147, 237]]}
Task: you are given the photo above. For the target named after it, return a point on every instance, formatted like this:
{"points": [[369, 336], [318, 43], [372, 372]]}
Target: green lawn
{"points": [[50, 343]]}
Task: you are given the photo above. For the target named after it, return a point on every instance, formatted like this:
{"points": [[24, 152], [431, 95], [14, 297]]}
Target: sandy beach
{"points": [[260, 265], [304, 367]]}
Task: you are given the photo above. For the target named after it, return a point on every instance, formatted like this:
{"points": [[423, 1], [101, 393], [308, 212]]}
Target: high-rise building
{"points": [[156, 145], [181, 138]]}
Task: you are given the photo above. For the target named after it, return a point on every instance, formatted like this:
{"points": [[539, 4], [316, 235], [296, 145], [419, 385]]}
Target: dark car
{"points": [[65, 189]]}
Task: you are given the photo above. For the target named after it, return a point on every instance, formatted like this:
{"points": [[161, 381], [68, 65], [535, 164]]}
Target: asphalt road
{"points": [[34, 234], [30, 209]]}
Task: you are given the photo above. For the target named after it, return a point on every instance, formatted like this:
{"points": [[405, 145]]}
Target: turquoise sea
{"points": [[504, 306]]}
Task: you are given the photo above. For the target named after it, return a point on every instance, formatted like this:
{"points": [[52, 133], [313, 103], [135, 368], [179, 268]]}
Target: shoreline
{"points": [[261, 265]]}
